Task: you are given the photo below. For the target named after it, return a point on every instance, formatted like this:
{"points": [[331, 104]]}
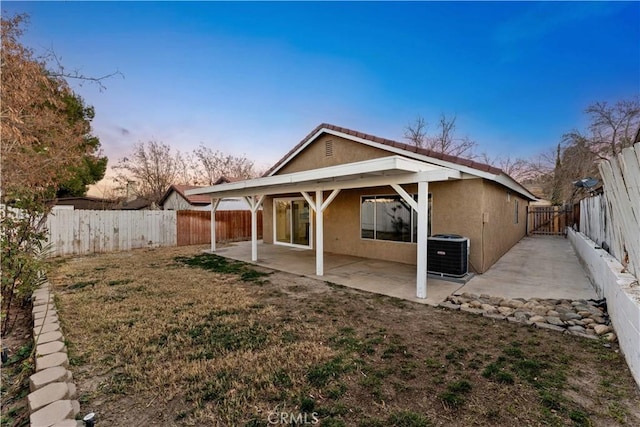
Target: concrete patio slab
{"points": [[536, 267], [378, 276]]}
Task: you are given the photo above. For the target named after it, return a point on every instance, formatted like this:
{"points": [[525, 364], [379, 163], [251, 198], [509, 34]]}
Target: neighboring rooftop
{"points": [[181, 189], [135, 204], [85, 202], [227, 179]]}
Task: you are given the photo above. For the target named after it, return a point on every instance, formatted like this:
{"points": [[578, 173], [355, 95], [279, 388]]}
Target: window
{"points": [[390, 218], [515, 212], [291, 222]]}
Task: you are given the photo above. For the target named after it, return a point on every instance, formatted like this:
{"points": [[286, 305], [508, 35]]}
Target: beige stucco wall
{"points": [[342, 230], [458, 207], [501, 231]]}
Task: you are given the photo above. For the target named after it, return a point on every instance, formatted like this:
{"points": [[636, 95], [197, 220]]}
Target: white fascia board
{"points": [[502, 179], [511, 184], [375, 172], [368, 166]]}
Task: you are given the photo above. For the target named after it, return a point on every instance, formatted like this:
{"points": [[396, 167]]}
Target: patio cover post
{"points": [[318, 206], [421, 270], [254, 205], [214, 208], [319, 234]]}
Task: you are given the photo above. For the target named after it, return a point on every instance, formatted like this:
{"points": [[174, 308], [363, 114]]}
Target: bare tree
{"points": [[153, 166], [213, 164], [57, 69], [613, 127], [416, 132], [444, 141], [522, 170], [187, 169]]}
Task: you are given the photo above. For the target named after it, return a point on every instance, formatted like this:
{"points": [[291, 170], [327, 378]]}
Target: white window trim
{"points": [[292, 245]]}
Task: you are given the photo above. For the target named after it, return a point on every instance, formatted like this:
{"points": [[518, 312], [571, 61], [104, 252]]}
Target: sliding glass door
{"points": [[292, 223]]}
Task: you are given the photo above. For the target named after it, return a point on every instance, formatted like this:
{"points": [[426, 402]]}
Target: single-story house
{"points": [[176, 199], [347, 192]]}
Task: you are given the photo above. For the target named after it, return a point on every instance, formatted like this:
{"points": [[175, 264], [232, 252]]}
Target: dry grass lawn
{"points": [[154, 340]]}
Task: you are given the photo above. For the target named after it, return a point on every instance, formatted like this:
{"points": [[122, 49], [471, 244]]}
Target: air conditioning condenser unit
{"points": [[448, 255]]}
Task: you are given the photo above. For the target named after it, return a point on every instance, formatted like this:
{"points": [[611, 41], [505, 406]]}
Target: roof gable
{"points": [[331, 150], [388, 144], [471, 167], [198, 199]]}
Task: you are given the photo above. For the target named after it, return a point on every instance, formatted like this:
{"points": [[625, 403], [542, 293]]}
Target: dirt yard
{"points": [[173, 337]]}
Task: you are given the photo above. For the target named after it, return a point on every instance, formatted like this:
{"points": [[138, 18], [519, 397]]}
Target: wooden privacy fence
{"points": [[549, 220], [84, 231], [194, 227], [612, 220]]}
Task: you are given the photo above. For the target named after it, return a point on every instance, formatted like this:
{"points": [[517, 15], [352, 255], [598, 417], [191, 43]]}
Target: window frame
{"points": [[311, 218], [413, 215]]}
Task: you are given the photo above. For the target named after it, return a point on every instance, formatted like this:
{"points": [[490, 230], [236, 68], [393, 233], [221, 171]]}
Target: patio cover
{"points": [[392, 171]]}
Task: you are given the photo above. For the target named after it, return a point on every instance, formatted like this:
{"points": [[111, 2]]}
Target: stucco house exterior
{"points": [[347, 192], [175, 199]]}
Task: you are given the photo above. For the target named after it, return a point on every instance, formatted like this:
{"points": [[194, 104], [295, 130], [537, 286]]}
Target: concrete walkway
{"points": [[536, 267]]}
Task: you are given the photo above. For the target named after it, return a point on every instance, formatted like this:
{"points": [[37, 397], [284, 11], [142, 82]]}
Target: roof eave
{"points": [[339, 175], [500, 177]]}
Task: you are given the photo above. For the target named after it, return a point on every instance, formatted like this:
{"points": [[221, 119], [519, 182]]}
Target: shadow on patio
{"points": [[371, 275]]}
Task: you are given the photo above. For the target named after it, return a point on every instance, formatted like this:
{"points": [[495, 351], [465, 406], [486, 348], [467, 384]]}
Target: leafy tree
{"points": [[93, 165], [39, 142], [44, 144], [22, 243]]}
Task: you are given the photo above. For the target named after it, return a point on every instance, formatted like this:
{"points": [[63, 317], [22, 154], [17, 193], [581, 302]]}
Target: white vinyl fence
{"points": [[595, 223], [612, 222], [614, 217], [74, 232]]}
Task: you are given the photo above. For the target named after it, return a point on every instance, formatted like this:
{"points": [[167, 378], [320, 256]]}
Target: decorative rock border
{"points": [[51, 401], [587, 319]]}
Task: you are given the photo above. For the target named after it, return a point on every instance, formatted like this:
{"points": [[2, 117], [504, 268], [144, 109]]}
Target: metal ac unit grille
{"points": [[448, 255]]}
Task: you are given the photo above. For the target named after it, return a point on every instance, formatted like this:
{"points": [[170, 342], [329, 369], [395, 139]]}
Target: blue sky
{"points": [[255, 78]]}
